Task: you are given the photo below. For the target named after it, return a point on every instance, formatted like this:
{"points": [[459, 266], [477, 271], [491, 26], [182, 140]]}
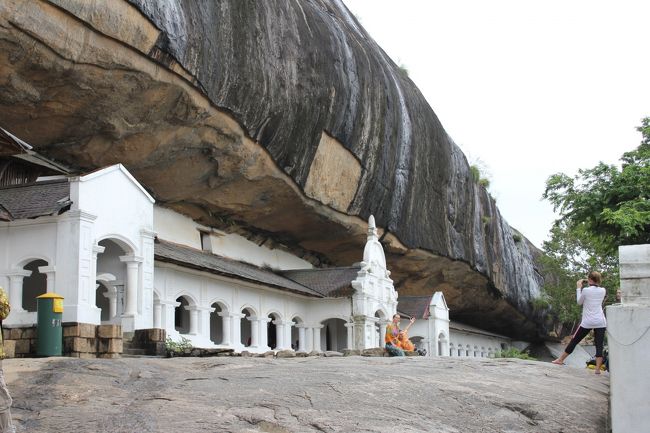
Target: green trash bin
{"points": [[50, 331]]}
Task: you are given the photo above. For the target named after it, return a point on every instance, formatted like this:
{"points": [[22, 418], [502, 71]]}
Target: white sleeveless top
{"points": [[591, 298]]}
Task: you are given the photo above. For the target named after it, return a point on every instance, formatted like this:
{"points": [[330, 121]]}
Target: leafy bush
{"points": [[517, 237], [514, 353], [178, 347]]}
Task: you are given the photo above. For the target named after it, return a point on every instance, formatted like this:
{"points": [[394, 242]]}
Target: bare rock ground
{"points": [[314, 394]]}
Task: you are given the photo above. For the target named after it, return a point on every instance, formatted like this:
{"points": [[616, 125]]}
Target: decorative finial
{"points": [[372, 228]]}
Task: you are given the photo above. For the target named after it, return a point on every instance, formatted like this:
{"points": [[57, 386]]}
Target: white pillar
{"points": [[382, 332], [226, 320], [167, 317], [235, 319], [132, 267], [16, 289], [157, 311], [49, 272], [96, 250], [316, 338], [111, 295], [309, 339], [194, 319], [263, 339], [255, 330], [301, 339], [279, 334], [350, 328]]}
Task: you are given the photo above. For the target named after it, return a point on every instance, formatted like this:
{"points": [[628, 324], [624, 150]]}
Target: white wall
{"points": [[479, 346], [174, 227], [203, 290], [629, 342]]}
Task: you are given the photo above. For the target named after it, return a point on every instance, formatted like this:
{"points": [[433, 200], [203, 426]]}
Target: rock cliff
{"points": [[281, 120]]}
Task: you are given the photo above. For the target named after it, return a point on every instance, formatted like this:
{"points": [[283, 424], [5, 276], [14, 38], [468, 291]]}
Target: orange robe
{"points": [[404, 342]]}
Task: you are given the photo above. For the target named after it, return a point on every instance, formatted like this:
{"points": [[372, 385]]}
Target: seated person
{"points": [[392, 333]]}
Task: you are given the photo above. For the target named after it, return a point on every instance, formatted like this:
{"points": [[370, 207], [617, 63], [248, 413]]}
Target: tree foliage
{"points": [[610, 204], [600, 208]]}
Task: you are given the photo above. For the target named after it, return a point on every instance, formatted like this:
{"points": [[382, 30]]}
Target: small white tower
{"points": [[374, 300]]}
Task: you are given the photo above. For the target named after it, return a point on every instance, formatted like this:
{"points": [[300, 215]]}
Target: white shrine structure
{"points": [[145, 266]]}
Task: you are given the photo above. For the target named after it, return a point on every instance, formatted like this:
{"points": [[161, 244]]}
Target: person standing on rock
{"points": [[392, 333], [593, 318], [6, 425]]}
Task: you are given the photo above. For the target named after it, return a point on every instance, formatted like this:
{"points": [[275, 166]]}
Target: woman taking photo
{"points": [[593, 318]]}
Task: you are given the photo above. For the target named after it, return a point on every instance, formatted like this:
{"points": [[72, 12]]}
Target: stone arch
{"points": [[246, 329], [442, 343], [459, 349], [106, 296], [274, 330], [128, 246], [334, 335], [476, 352], [218, 318], [297, 343], [452, 349], [482, 351], [20, 263], [182, 317], [34, 284], [382, 318], [468, 350], [109, 263]]}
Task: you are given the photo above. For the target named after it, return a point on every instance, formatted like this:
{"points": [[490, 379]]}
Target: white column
{"points": [[157, 311], [316, 338], [194, 319], [49, 272], [382, 332], [96, 250], [226, 320], [16, 289], [236, 329], [371, 332], [255, 330], [167, 316], [301, 339], [350, 328], [111, 295], [279, 334], [263, 340], [132, 266], [309, 339]]}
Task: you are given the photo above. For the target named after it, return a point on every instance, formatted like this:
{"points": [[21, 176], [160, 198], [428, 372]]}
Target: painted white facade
{"points": [[99, 255], [438, 336], [174, 227], [107, 204], [628, 337]]}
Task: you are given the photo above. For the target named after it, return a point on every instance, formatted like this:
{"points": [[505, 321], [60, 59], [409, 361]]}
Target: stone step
{"points": [[133, 351]]}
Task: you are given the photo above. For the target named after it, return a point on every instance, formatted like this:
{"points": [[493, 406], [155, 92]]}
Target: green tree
{"points": [[610, 204], [600, 209]]}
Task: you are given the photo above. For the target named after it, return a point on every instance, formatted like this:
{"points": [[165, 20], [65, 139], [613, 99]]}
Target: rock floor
{"points": [[315, 394]]}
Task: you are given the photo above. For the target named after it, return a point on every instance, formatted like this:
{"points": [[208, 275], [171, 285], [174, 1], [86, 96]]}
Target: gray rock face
{"points": [[304, 395], [230, 112]]}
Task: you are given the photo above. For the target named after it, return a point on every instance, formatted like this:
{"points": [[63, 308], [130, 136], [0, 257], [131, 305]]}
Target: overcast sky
{"points": [[530, 88]]}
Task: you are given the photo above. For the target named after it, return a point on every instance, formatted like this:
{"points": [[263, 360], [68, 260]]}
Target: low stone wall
{"points": [[151, 340], [83, 340], [80, 340], [19, 342]]}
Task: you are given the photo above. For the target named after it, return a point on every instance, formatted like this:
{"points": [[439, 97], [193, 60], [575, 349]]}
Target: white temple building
{"points": [[116, 257]]}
